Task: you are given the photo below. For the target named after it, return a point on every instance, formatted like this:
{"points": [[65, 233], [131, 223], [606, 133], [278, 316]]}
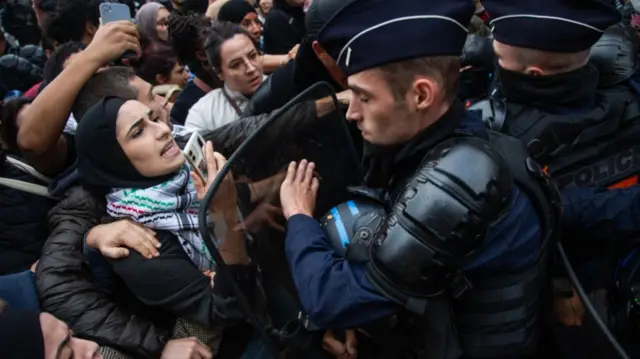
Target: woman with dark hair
{"points": [[161, 67], [187, 35], [235, 59], [240, 12]]}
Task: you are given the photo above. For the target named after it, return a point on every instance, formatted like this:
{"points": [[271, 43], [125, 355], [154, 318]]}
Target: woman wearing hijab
{"points": [[152, 19], [128, 154]]}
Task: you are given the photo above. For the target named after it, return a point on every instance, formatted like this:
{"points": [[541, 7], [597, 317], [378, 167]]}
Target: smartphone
{"points": [[194, 154], [110, 12]]}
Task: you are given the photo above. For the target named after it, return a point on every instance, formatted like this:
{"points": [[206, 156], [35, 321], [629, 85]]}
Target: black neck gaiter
{"points": [[571, 90]]}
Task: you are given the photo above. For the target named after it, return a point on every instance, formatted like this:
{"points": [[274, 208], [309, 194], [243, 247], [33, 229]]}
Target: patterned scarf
{"points": [[171, 206]]}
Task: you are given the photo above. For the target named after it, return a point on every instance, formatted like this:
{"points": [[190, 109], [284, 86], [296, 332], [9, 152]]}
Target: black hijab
{"points": [[102, 164], [234, 11]]}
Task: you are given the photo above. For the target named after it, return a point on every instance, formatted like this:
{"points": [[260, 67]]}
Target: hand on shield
{"points": [[299, 190]]}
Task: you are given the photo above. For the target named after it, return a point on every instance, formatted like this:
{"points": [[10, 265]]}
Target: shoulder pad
{"points": [[493, 112], [615, 55], [441, 216]]}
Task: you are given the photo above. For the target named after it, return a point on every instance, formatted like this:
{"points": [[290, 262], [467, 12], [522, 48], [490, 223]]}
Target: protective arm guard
{"points": [[439, 220]]}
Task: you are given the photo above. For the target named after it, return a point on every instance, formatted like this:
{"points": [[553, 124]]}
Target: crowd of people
{"points": [[442, 179]]}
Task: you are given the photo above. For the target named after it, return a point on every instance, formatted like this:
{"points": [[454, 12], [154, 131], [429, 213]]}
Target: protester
{"points": [[29, 334], [234, 57], [162, 68], [477, 132], [125, 152], [264, 8], [187, 37], [152, 19]]}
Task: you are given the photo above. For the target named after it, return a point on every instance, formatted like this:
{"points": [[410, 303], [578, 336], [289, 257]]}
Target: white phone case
{"points": [[195, 156]]}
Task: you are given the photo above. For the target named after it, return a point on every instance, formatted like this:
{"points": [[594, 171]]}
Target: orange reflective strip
{"points": [[545, 169], [626, 183]]}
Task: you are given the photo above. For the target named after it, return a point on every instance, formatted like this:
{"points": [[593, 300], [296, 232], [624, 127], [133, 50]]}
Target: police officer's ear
{"points": [[425, 92], [534, 71]]}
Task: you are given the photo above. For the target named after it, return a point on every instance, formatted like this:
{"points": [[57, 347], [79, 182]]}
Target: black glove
{"points": [[478, 52]]}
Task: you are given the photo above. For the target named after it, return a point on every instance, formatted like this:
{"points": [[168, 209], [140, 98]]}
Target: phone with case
{"points": [[194, 154], [110, 12]]}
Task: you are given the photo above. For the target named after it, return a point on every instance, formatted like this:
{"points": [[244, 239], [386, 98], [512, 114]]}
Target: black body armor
{"points": [[438, 222], [597, 147]]}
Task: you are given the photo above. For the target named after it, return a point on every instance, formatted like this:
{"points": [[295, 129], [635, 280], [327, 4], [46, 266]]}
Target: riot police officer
{"points": [[470, 215], [578, 120]]}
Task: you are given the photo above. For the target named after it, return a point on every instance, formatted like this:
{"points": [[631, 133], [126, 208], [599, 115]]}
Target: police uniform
{"points": [[470, 214], [582, 125], [584, 134]]}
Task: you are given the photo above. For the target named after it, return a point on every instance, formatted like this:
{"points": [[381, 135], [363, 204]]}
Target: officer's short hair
{"points": [[551, 62], [114, 81], [443, 69]]}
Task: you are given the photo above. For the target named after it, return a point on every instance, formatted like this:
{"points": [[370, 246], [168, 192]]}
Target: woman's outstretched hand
{"points": [[299, 190], [225, 198]]}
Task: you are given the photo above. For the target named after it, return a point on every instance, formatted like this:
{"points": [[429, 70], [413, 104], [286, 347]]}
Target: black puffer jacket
{"points": [[65, 290], [23, 228]]}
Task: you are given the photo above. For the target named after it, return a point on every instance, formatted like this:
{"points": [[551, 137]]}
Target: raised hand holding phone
{"points": [[225, 200], [120, 14]]}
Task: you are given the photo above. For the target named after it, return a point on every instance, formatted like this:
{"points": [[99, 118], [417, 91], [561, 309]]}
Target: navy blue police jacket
{"points": [[336, 294]]}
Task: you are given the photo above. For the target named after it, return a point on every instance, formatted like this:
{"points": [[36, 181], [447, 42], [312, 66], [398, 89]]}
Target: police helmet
{"points": [[350, 227]]}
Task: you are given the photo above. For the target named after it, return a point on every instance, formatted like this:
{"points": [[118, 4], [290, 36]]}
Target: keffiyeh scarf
{"points": [[171, 206]]}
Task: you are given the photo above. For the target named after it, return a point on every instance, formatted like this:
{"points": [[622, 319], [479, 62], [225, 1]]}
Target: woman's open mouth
{"points": [[170, 150], [255, 81]]}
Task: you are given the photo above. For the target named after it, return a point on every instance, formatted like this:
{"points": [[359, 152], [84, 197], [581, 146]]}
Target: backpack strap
{"points": [[26, 187], [28, 169]]}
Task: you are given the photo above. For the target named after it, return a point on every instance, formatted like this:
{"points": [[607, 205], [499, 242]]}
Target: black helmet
{"points": [[350, 227]]}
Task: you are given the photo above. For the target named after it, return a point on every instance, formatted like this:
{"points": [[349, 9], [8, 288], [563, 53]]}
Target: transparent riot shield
{"points": [[311, 126]]}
